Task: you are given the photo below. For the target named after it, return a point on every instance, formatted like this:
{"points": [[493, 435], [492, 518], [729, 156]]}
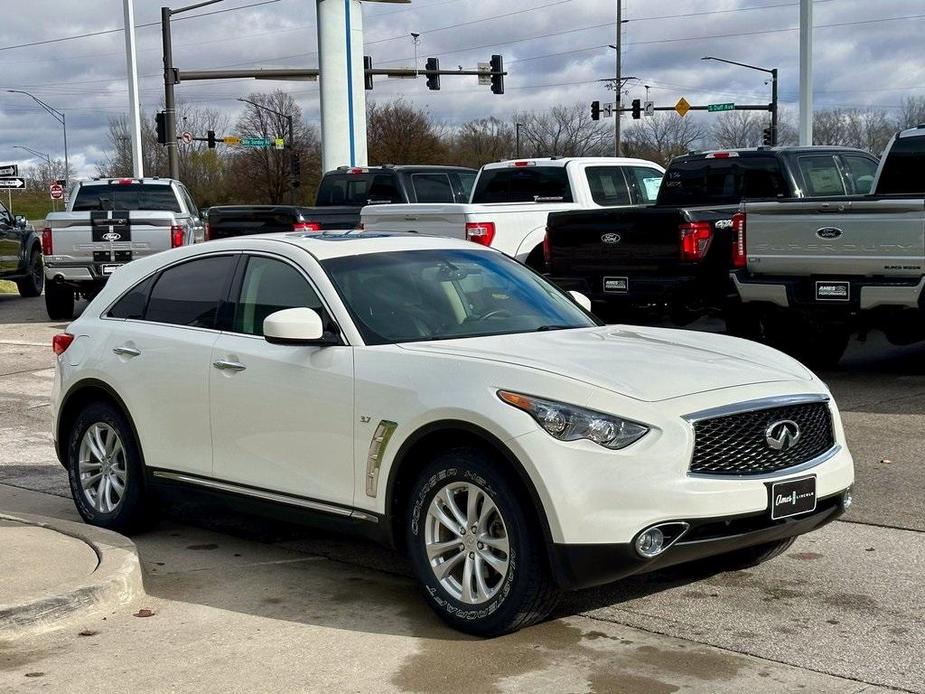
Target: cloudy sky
{"points": [[868, 54]]}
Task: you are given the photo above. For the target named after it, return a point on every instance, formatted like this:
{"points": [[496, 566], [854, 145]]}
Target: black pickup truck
{"points": [[673, 258], [342, 194], [20, 254]]}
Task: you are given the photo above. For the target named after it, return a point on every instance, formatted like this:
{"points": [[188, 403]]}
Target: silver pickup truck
{"points": [[107, 223], [811, 272]]}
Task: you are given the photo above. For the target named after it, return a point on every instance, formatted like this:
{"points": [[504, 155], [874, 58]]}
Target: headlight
{"points": [[570, 423]]}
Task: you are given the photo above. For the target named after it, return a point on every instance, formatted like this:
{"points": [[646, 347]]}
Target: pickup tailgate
{"points": [[431, 219], [836, 237], [105, 239]]}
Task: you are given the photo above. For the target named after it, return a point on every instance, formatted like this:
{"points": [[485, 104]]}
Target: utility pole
{"points": [[618, 85], [806, 72], [517, 127], [774, 134], [131, 66]]}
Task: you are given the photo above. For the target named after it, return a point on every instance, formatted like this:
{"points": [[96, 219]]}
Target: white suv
{"points": [[443, 398]]}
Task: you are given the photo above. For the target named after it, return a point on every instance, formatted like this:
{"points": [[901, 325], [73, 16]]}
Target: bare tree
{"points": [[912, 112], [399, 133], [868, 130], [662, 137], [481, 141], [565, 131], [739, 129]]}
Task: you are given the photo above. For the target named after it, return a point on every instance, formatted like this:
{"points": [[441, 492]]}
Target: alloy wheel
{"points": [[102, 468]]}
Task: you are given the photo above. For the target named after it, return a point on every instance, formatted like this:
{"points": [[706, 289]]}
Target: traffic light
{"points": [[497, 76], [637, 109], [595, 110], [160, 123], [433, 81], [295, 170], [367, 78], [210, 136], [768, 138]]}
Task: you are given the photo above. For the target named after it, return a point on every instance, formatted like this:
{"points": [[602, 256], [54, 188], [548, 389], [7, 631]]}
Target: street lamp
{"points": [[770, 71], [292, 181], [47, 159], [58, 116]]}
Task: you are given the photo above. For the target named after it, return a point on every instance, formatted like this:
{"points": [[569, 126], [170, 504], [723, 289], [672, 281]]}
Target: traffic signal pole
{"points": [[618, 85], [774, 135], [170, 109]]}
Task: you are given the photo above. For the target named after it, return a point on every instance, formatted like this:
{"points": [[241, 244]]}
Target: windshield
{"points": [[133, 196], [409, 296]]}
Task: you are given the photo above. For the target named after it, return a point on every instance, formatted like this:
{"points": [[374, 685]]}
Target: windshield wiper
{"points": [[545, 328]]}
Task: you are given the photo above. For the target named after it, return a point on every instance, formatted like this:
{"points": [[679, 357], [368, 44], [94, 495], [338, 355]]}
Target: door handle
{"points": [[126, 351], [223, 365]]}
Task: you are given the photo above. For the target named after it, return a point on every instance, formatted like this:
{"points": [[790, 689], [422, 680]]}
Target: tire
{"points": [[59, 301], [523, 592], [536, 260], [748, 557], [818, 345], [102, 504], [32, 284], [742, 322]]}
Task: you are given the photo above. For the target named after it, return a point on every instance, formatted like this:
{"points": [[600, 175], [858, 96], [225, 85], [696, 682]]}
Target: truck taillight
{"points": [[60, 343], [738, 240], [547, 250], [480, 232], [208, 232], [695, 240], [306, 226], [48, 246], [176, 236]]}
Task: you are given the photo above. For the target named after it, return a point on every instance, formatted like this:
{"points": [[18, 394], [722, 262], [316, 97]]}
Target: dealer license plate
{"points": [[616, 285], [793, 497], [109, 269], [833, 291]]}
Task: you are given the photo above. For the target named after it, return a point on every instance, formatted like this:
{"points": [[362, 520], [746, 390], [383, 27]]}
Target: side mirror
{"points": [[581, 300], [296, 326], [21, 222]]}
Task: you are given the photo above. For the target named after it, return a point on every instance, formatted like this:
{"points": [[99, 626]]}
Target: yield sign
{"points": [[682, 107]]}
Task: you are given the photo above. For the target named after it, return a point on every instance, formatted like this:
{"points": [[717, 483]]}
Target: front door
{"points": [[282, 415]]}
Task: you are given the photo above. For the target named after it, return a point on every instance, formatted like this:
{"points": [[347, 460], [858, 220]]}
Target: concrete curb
{"points": [[117, 580]]}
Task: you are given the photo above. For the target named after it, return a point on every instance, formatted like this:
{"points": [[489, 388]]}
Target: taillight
{"points": [[547, 249], [480, 232], [738, 241], [176, 236], [208, 232], [60, 342], [48, 247], [695, 240], [306, 226]]}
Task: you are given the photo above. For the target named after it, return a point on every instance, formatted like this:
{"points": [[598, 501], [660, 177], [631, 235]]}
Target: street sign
{"points": [[484, 74], [713, 108], [279, 143], [256, 141], [607, 110], [650, 108], [9, 170], [55, 191], [187, 138], [231, 140], [682, 107], [14, 183]]}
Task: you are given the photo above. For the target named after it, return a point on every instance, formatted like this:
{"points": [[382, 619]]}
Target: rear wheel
{"points": [[819, 345], [31, 284], [59, 301], [476, 553], [536, 260]]}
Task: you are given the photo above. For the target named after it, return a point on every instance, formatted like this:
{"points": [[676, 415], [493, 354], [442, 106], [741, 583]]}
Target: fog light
{"points": [[847, 498], [650, 543]]}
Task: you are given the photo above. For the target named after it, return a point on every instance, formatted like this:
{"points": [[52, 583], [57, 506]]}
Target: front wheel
{"points": [[59, 301], [31, 285], [476, 553]]}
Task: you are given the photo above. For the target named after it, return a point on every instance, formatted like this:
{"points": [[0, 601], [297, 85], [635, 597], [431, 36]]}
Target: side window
{"points": [[432, 187], [132, 304], [647, 182], [188, 200], [270, 286], [384, 190], [861, 172], [190, 294], [821, 175], [466, 184], [5, 216], [608, 186]]}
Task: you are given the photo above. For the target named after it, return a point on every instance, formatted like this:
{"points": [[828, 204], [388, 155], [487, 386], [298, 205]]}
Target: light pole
{"points": [[37, 154], [517, 127], [58, 116], [770, 71], [289, 144]]}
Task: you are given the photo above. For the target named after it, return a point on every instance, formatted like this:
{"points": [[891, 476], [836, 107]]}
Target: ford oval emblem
{"points": [[828, 233], [111, 236], [610, 239]]}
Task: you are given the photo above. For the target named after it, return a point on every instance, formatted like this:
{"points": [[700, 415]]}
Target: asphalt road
{"points": [[846, 601]]}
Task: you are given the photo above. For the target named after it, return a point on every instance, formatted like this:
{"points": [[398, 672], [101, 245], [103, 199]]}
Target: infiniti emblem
{"points": [[610, 238], [111, 236], [782, 435]]}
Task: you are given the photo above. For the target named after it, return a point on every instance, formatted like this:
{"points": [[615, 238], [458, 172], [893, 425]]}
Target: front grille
{"points": [[736, 444]]}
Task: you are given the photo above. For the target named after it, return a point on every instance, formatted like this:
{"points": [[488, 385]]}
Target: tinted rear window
{"points": [[904, 168], [189, 294], [357, 190], [523, 184], [722, 181], [231, 222], [133, 196]]}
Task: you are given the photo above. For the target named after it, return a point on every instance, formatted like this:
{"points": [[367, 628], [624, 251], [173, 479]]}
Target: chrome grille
{"points": [[735, 444]]}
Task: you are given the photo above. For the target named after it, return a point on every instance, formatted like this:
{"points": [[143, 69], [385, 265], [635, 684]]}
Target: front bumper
{"points": [[576, 566]]}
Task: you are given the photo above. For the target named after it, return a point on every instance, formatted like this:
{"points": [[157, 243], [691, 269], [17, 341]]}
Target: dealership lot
{"points": [[844, 609]]}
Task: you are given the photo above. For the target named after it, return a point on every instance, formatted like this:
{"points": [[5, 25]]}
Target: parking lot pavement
{"points": [[847, 601]]}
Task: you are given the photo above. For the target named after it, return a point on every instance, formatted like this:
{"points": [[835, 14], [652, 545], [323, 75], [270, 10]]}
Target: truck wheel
{"points": [[536, 260], [59, 301], [819, 345], [742, 322], [479, 559], [31, 284]]}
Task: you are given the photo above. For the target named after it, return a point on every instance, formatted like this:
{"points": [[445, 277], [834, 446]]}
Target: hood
{"points": [[648, 364]]}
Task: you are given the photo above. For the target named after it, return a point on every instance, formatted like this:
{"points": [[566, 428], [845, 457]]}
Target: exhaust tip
{"points": [[651, 542]]}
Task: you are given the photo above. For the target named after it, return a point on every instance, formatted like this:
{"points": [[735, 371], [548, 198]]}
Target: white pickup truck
{"points": [[511, 201], [109, 222]]}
